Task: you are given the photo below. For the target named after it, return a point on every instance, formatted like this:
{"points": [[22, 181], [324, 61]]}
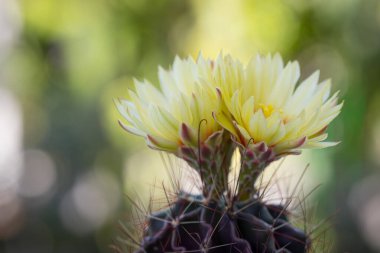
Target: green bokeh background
{"points": [[63, 62]]}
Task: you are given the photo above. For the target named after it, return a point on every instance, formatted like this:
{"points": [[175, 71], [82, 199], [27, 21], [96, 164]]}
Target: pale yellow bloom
{"points": [[260, 103], [176, 113], [268, 106], [204, 109]]}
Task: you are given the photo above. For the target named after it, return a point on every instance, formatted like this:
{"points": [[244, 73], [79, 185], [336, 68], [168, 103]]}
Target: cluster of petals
{"points": [[171, 116], [260, 102]]}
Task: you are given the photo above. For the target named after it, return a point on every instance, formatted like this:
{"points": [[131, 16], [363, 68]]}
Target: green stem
{"points": [[249, 172]]}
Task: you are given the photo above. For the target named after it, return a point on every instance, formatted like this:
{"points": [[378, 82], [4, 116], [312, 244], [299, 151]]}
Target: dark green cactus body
{"points": [[192, 224], [224, 221]]}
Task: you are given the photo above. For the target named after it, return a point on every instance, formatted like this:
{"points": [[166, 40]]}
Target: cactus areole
{"points": [[203, 112]]}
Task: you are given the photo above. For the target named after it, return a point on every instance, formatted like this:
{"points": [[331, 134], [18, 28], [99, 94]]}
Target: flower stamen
{"points": [[266, 109]]}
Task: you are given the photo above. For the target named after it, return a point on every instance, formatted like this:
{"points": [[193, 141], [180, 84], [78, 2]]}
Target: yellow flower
{"points": [[173, 115], [259, 103], [267, 107], [178, 118], [201, 104]]}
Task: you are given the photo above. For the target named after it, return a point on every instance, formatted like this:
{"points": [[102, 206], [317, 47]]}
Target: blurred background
{"points": [[65, 164]]}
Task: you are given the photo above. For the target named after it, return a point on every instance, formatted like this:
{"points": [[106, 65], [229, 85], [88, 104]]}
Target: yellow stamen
{"points": [[266, 109]]}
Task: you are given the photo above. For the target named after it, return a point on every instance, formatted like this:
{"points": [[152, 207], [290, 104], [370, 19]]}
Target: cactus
{"points": [[194, 224], [206, 109], [222, 221]]}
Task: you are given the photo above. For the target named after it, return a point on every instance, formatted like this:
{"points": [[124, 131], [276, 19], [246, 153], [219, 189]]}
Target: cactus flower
{"points": [[267, 106]]}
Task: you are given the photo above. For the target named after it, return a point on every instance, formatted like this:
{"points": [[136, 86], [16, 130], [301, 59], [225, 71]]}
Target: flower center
{"points": [[266, 109]]}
